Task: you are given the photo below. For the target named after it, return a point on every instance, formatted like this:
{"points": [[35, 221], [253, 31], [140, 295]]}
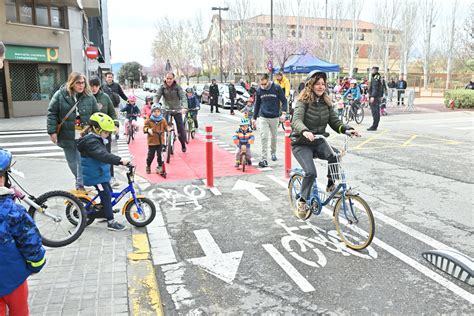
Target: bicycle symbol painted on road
{"points": [[190, 195]]}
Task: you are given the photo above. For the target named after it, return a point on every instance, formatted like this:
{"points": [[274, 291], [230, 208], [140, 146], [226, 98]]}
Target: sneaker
{"points": [[237, 164], [302, 209], [183, 149], [159, 170], [114, 225], [330, 187], [81, 188], [148, 170], [274, 157], [371, 129], [263, 163], [114, 183], [249, 162]]}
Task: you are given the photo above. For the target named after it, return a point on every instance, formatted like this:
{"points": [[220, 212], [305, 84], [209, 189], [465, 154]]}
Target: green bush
{"points": [[463, 98]]}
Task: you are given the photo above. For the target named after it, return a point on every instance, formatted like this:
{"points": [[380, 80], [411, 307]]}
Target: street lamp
{"points": [[220, 33]]}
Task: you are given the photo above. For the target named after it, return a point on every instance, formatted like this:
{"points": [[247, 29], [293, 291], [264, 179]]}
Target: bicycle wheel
{"points": [[354, 221], [188, 130], [169, 143], [359, 115], [129, 134], [294, 190], [347, 115], [59, 231], [243, 161], [71, 213], [143, 218]]}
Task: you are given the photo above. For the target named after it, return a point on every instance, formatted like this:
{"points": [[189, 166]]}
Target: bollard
{"points": [[287, 149], [209, 158]]}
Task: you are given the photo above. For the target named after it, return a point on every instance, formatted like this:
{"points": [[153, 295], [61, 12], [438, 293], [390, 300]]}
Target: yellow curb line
{"points": [[409, 141], [370, 139], [146, 282]]}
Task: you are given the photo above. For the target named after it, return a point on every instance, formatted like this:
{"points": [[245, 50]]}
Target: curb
{"points": [[143, 292]]}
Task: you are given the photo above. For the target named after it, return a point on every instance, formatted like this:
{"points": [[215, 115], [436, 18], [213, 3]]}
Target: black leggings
{"points": [[305, 154], [152, 149]]}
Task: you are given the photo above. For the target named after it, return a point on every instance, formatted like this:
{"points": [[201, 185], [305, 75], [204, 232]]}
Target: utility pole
{"points": [[220, 33], [271, 36]]}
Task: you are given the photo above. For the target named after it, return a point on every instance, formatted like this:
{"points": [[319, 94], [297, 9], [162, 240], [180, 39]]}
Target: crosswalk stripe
{"points": [[45, 148], [17, 144], [39, 155], [43, 131], [24, 135]]}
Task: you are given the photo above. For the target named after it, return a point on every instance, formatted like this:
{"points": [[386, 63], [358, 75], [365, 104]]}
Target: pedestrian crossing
{"points": [[37, 144]]}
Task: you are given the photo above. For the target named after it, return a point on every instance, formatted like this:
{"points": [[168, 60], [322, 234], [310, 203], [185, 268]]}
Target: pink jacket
{"points": [[146, 111]]}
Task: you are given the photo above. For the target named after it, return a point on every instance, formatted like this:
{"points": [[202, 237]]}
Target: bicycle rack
{"points": [[453, 263]]}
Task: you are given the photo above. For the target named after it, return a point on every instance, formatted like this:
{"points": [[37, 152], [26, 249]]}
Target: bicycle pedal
{"points": [[116, 210]]}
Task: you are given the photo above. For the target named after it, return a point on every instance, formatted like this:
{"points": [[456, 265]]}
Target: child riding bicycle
{"points": [[243, 137], [193, 105], [21, 248], [132, 112], [96, 161], [155, 127]]}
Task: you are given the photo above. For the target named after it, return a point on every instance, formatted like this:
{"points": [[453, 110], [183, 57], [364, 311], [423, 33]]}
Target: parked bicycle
{"points": [[138, 210], [51, 212], [352, 216]]}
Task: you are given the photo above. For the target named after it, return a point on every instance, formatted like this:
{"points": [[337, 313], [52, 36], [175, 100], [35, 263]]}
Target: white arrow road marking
{"points": [[251, 188], [222, 265]]}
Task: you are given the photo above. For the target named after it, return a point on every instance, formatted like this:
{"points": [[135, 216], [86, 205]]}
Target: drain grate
{"points": [[453, 263]]}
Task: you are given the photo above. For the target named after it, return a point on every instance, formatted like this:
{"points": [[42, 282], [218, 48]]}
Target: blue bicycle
{"points": [[139, 210], [352, 216]]}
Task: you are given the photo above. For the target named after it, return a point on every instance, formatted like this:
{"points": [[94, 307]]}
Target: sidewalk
{"points": [[95, 275]]}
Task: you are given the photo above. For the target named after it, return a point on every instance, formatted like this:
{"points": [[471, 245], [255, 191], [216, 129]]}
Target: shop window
{"points": [[36, 12], [33, 82]]}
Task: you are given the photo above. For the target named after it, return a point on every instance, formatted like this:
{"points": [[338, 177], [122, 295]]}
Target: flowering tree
{"points": [[283, 47]]}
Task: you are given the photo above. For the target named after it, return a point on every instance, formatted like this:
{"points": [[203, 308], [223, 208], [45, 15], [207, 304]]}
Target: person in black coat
{"points": [[375, 93], [232, 96], [113, 89], [214, 95], [401, 87]]}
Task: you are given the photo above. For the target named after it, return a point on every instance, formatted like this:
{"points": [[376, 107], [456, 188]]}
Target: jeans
{"points": [[178, 119], [375, 108], [399, 96], [105, 194], [305, 154], [152, 149], [268, 126], [109, 149], [73, 158]]}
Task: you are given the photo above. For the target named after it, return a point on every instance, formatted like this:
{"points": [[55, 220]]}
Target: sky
{"points": [[132, 24]]}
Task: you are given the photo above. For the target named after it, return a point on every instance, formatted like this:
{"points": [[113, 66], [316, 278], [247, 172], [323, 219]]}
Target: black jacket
{"points": [[402, 84], [115, 92], [232, 91], [376, 86], [214, 91]]}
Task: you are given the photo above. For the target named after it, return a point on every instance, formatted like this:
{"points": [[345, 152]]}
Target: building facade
{"points": [[244, 48], [45, 41]]}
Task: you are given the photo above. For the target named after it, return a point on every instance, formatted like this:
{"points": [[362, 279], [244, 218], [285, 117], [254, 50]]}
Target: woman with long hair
{"points": [[312, 114], [68, 113]]}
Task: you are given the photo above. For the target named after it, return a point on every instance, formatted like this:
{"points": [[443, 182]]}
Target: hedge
{"points": [[463, 98]]}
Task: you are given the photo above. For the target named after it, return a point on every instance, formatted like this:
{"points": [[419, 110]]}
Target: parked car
{"points": [[198, 89], [224, 100], [205, 93], [148, 86]]}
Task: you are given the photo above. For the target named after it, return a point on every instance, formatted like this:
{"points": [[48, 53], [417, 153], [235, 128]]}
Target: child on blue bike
{"points": [[243, 136], [96, 161], [193, 105]]}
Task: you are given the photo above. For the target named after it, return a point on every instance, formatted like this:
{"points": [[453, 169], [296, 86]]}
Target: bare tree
{"points": [[407, 37], [466, 47], [429, 16], [454, 7], [356, 8]]}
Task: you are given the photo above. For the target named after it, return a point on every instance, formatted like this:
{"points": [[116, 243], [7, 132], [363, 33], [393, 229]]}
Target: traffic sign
{"points": [[92, 52]]}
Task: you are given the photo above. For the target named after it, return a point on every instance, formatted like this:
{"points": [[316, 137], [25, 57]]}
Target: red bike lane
{"points": [[190, 165]]}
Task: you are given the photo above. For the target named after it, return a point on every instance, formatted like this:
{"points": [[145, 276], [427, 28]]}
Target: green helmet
{"points": [[102, 121], [244, 121]]}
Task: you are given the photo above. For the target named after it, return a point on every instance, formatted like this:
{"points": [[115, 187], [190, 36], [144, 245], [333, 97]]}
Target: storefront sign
{"points": [[28, 53]]}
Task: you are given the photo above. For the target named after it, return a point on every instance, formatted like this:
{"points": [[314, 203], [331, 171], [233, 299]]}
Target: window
{"points": [[37, 12], [360, 37]]}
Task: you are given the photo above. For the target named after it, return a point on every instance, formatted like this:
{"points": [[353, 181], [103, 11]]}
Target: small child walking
{"points": [[21, 248], [243, 137], [339, 106], [155, 127]]}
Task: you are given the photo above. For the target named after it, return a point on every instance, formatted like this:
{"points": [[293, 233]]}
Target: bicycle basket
{"points": [[337, 172]]}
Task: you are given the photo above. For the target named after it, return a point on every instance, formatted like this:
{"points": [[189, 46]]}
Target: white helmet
{"points": [[353, 81]]}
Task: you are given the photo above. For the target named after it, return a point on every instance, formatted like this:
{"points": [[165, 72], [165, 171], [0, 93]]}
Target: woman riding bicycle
{"points": [[96, 161], [313, 112]]}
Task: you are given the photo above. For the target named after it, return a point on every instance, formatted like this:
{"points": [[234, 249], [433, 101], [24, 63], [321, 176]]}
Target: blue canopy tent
{"points": [[305, 63]]}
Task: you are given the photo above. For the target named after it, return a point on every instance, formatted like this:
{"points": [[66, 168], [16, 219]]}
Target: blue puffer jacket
{"points": [[193, 102], [95, 159], [355, 92], [21, 249]]}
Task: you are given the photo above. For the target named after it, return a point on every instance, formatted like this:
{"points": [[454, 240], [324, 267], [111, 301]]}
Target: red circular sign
{"points": [[92, 52]]}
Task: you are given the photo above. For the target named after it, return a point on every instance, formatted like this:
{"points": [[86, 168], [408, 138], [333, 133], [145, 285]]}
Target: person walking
{"points": [[113, 89], [375, 93], [401, 87], [267, 108], [69, 112], [175, 99], [214, 95], [232, 96]]}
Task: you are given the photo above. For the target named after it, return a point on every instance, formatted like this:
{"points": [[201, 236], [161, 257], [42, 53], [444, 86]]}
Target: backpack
{"points": [[112, 95]]}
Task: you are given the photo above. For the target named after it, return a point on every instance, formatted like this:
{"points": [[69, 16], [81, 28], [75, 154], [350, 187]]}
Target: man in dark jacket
{"points": [[401, 87], [113, 89], [214, 95], [267, 108], [232, 96], [174, 99], [375, 93]]}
